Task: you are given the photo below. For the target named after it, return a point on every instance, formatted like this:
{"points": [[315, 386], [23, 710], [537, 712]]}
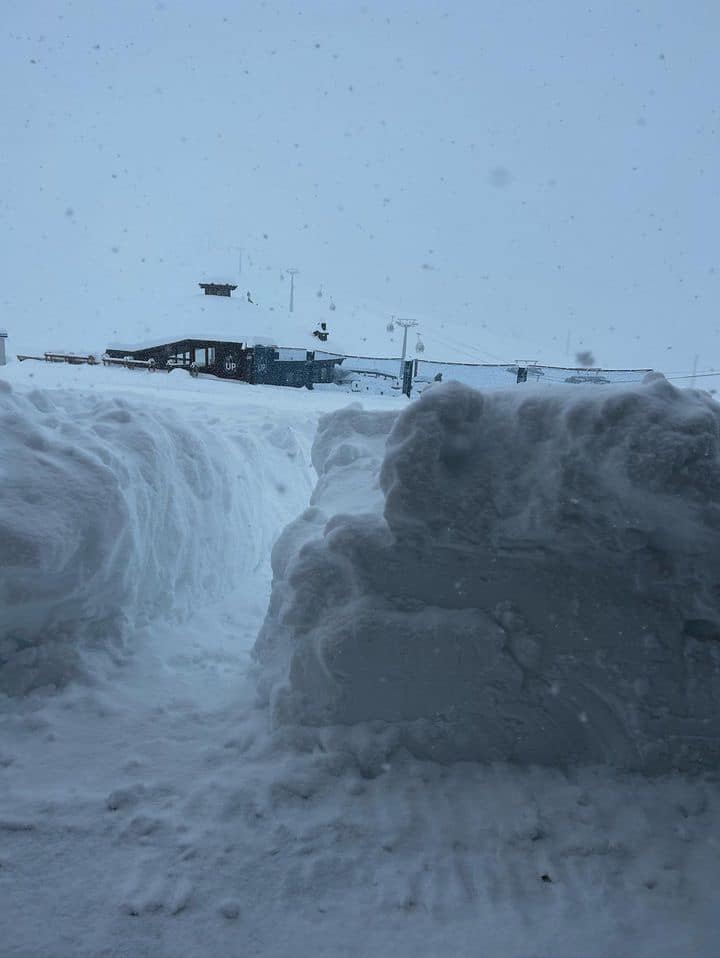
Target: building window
{"points": [[204, 356]]}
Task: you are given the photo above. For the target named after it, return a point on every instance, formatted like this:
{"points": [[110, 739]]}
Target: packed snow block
{"points": [[111, 513], [538, 580], [347, 454]]}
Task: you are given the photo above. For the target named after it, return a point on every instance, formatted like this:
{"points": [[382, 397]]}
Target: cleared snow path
{"points": [[151, 813]]}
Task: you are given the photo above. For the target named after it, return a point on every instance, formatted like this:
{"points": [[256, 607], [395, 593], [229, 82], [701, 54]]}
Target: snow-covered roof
{"points": [[226, 319], [203, 335]]}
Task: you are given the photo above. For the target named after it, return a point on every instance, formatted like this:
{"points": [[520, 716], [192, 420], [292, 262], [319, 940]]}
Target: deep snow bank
{"points": [[536, 577], [111, 512]]}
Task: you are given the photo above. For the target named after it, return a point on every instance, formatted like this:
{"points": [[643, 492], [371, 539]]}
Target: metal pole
{"points": [[292, 287], [406, 324]]}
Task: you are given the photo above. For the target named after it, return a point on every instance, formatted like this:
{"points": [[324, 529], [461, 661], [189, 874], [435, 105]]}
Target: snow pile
{"points": [[111, 512], [534, 577]]}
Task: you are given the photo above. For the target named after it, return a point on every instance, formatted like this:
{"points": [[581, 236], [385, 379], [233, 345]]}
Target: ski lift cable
{"points": [[455, 343], [458, 344], [696, 376], [687, 372]]}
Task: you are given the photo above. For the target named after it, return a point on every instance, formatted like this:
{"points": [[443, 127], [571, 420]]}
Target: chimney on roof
{"points": [[217, 289]]}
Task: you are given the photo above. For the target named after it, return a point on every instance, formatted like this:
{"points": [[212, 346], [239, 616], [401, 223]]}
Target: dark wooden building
{"points": [[217, 289], [234, 360]]}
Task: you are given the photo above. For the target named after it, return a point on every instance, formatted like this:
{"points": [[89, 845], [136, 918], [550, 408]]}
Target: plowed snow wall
{"points": [[528, 575], [112, 512]]}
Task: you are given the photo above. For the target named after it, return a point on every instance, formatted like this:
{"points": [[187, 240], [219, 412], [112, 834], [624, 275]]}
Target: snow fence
{"points": [[527, 576], [111, 513]]}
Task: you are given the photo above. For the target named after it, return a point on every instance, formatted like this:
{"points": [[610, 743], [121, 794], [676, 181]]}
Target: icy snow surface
{"points": [[528, 576], [149, 811]]}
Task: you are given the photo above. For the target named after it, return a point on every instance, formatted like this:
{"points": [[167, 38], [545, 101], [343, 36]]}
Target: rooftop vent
{"points": [[217, 289]]}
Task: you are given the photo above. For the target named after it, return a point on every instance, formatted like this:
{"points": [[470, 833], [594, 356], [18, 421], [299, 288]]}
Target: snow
{"points": [[511, 585], [153, 808], [532, 183], [113, 513]]}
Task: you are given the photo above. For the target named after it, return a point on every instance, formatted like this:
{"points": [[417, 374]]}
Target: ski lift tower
{"points": [[3, 337], [525, 366], [406, 324], [292, 273]]}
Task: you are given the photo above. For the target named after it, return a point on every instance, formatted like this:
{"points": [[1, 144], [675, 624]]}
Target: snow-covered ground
{"points": [[151, 806]]}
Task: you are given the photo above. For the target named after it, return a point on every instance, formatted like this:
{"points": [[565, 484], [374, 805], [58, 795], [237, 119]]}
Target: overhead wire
{"points": [[459, 344], [712, 373]]}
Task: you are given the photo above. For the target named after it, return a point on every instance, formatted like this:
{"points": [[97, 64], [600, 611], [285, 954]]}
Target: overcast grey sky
{"points": [[535, 166]]}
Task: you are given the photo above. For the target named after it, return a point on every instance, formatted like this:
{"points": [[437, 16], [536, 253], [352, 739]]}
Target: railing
{"points": [[73, 358], [369, 372]]}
